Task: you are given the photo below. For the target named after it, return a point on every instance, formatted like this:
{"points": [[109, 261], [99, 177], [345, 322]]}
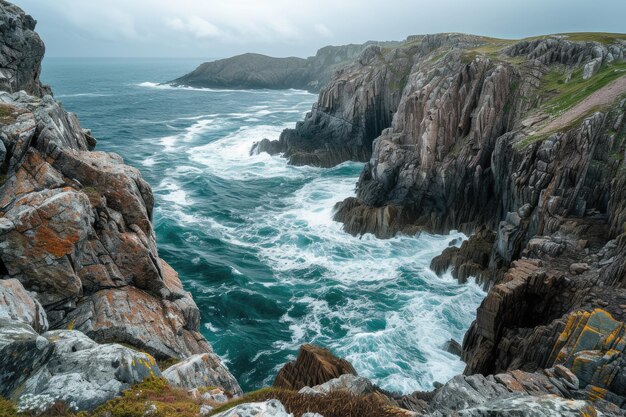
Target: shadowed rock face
{"points": [[350, 113], [21, 52], [76, 225]]}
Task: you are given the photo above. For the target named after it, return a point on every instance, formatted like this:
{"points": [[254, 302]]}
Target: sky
{"points": [[222, 28]]}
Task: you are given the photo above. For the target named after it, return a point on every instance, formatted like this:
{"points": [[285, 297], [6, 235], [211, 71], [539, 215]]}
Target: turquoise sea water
{"points": [[253, 238]]}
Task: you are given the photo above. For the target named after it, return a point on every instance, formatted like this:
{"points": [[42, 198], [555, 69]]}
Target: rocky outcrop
{"points": [[200, 371], [521, 145], [77, 249], [461, 152], [254, 71], [470, 260], [355, 385], [314, 366], [271, 408], [350, 113], [21, 51], [65, 366], [17, 304], [76, 230]]}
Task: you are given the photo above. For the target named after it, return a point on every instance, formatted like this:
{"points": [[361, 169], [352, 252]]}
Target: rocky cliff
{"points": [[261, 71], [77, 250], [520, 144]]}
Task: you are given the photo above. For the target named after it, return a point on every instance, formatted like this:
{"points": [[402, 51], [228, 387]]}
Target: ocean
{"points": [[253, 238]]}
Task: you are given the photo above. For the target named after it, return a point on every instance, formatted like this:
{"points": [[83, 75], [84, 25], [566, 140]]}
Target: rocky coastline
{"points": [[519, 144], [256, 71], [87, 307]]}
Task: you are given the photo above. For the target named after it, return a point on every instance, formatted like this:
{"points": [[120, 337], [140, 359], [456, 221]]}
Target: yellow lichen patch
{"points": [[596, 393], [588, 331]]}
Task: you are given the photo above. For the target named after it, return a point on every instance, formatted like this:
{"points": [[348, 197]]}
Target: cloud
{"points": [[194, 25], [323, 30], [219, 28]]}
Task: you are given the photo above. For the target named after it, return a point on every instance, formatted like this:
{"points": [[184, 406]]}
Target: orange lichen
{"points": [[48, 241]]}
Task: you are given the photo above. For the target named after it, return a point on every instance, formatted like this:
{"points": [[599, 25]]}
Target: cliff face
{"points": [[523, 142], [22, 49], [261, 71], [75, 227]]}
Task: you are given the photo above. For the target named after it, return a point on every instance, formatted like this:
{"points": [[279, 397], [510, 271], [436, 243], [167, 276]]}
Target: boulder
{"points": [[353, 384], [17, 304], [453, 347], [43, 234], [470, 260], [314, 366], [271, 408], [75, 370], [22, 352], [204, 370]]}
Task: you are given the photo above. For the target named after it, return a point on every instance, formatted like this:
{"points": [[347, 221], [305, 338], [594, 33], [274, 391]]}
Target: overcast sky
{"points": [[220, 28]]}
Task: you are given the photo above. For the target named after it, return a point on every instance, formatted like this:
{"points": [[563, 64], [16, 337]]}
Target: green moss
{"points": [[7, 408], [335, 404], [254, 396], [529, 140], [154, 397], [7, 114], [566, 94], [601, 37], [166, 363]]}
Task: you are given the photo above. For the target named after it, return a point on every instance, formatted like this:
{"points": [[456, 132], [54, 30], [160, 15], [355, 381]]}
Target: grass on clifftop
{"points": [[600, 37], [155, 398], [565, 95], [335, 404]]}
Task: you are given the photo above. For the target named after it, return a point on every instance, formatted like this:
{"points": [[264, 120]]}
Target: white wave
{"points": [[195, 131], [172, 192], [84, 95], [405, 351], [149, 162], [229, 157], [165, 86]]}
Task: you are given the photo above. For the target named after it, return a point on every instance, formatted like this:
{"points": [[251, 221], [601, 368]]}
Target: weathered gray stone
{"points": [[22, 51], [19, 305], [84, 374], [541, 406], [271, 408], [353, 384], [204, 370], [22, 352]]}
